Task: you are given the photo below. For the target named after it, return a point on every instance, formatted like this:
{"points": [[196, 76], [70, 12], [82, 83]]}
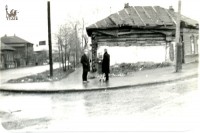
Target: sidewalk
{"points": [[7, 74], [74, 83]]}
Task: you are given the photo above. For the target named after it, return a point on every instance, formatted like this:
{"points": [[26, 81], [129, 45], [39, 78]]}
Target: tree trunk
{"points": [[65, 66], [62, 57], [68, 60], [74, 61]]}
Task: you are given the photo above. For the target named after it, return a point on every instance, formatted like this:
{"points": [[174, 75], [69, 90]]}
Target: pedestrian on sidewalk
{"points": [[86, 66], [106, 64], [100, 76]]}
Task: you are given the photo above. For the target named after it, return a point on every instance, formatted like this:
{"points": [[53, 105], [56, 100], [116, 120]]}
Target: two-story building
{"points": [[23, 54], [6, 56]]}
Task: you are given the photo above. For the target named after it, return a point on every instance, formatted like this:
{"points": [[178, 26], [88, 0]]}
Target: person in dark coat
{"points": [[86, 65], [106, 64]]}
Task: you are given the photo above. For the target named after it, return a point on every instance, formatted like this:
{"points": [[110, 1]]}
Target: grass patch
{"points": [[58, 74]]}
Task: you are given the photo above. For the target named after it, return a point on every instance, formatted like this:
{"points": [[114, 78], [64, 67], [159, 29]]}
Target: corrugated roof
{"points": [[141, 16], [13, 40]]}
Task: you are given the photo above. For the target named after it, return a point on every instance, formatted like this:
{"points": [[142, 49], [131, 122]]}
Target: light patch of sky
{"points": [[32, 22]]}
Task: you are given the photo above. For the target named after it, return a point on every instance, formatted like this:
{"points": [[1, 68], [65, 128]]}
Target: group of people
{"points": [[105, 65]]}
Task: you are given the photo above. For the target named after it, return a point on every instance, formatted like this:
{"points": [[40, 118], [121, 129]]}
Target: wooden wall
{"points": [[190, 40], [143, 38]]}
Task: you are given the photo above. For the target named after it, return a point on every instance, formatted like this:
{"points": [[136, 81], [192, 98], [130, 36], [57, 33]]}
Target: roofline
{"points": [[90, 30], [8, 49], [191, 23], [20, 43], [172, 27], [23, 40]]}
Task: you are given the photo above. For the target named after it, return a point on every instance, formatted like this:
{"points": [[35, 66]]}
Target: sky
{"points": [[32, 17]]}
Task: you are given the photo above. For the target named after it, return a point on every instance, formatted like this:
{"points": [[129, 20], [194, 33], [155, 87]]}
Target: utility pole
{"points": [[76, 43], [178, 57], [82, 35], [59, 52], [49, 38]]}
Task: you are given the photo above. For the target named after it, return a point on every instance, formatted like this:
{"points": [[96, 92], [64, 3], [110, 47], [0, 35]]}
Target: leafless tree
{"points": [[68, 44], [85, 37]]}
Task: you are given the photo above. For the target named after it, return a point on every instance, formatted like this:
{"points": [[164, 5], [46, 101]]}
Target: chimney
{"points": [[171, 8], [126, 5]]}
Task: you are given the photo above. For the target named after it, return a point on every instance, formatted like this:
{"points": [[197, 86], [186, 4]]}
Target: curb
{"points": [[101, 88]]}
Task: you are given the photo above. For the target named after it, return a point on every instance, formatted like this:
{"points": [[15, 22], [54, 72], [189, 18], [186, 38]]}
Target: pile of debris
{"points": [[124, 69]]}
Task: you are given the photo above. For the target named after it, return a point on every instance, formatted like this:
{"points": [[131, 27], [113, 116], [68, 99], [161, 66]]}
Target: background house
{"points": [[41, 57], [143, 34], [7, 56], [23, 54], [41, 53]]}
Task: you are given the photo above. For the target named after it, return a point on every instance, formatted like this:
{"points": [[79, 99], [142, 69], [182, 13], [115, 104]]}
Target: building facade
{"points": [[7, 56], [143, 34], [23, 54]]}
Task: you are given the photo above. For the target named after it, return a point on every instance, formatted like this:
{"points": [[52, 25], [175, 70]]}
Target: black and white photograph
{"points": [[99, 66]]}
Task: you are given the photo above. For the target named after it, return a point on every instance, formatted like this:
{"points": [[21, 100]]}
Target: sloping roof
{"points": [[17, 45], [5, 47], [189, 21], [13, 40], [141, 16]]}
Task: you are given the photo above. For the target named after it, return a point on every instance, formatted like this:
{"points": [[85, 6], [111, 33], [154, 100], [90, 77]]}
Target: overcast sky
{"points": [[32, 17]]}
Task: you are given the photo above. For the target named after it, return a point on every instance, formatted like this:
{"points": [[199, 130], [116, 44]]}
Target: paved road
{"points": [[167, 107], [6, 75]]}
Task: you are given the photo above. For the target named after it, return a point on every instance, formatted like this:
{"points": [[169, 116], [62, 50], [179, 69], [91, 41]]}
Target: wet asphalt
{"points": [[159, 107]]}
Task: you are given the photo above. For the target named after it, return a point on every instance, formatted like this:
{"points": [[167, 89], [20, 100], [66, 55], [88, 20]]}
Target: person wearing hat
{"points": [[106, 64], [86, 65]]}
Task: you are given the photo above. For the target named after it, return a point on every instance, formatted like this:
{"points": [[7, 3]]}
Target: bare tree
{"points": [[68, 44], [59, 37], [85, 37]]}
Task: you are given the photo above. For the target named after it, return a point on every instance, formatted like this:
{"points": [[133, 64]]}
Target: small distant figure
{"points": [[106, 64], [86, 66]]}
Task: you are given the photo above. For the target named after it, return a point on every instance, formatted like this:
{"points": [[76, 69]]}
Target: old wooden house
{"points": [[23, 54], [7, 56], [143, 34]]}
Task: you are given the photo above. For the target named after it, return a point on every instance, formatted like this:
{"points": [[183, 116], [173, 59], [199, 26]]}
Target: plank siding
{"points": [[108, 22], [153, 15], [126, 18], [134, 17], [196, 44], [163, 15], [101, 23], [152, 36], [116, 19], [144, 16], [187, 44]]}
